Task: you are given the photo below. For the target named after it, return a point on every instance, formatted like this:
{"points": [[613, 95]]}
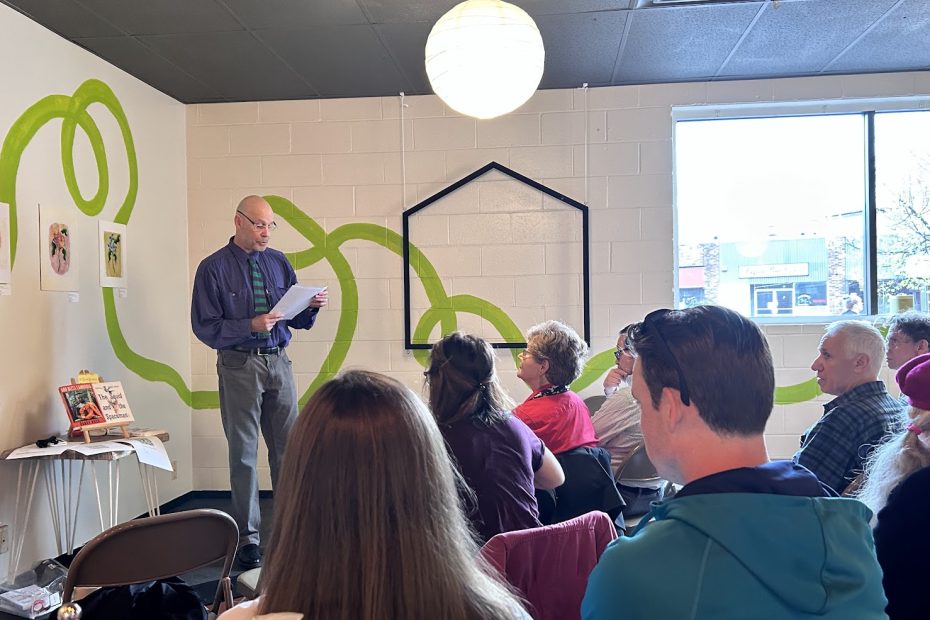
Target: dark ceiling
{"points": [[250, 50]]}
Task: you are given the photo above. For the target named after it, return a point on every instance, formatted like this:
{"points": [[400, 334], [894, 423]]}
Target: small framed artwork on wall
{"points": [[58, 260], [113, 246]]}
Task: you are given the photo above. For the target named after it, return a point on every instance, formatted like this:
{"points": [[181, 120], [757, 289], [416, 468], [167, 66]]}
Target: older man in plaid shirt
{"points": [[851, 355]]}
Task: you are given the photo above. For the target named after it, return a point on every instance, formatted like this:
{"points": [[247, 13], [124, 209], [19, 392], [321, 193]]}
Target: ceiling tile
{"points": [[235, 63], [404, 11], [340, 61], [65, 17], [164, 16], [260, 14], [131, 56], [580, 48], [555, 7], [406, 44], [899, 42], [780, 39], [672, 44]]}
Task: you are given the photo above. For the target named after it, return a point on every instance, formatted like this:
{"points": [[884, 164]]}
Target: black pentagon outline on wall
{"points": [[585, 256]]}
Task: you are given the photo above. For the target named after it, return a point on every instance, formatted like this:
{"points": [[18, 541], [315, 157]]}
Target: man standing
{"points": [[908, 337], [744, 537], [851, 354], [234, 291]]}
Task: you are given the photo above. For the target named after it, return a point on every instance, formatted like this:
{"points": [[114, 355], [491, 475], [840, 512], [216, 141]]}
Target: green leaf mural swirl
{"points": [[443, 310]]}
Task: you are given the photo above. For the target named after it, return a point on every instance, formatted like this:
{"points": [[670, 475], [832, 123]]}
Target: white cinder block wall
{"points": [[50, 334], [340, 162]]}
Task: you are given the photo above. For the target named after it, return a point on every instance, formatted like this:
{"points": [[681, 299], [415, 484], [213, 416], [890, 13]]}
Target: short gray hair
{"points": [[561, 346], [861, 338]]}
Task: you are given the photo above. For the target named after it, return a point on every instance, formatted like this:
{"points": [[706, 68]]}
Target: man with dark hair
{"points": [[616, 423], [744, 537], [908, 337]]}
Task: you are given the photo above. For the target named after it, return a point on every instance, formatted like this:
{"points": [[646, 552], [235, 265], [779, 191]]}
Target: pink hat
{"points": [[914, 380]]}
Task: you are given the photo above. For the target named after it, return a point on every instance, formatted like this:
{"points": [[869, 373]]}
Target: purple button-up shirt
{"points": [[222, 306]]}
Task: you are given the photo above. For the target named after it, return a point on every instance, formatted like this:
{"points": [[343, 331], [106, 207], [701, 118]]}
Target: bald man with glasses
{"points": [[234, 291]]}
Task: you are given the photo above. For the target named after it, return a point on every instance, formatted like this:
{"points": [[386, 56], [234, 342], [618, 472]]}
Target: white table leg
{"points": [[93, 471], [51, 489], [21, 520], [77, 507]]}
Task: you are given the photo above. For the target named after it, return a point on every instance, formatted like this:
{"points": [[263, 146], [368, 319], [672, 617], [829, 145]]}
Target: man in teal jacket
{"points": [[744, 537]]}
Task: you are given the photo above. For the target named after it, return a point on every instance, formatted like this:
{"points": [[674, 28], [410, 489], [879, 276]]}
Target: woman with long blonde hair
{"points": [[897, 489], [367, 522]]}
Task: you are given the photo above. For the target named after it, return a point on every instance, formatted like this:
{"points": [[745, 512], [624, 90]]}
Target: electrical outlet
{"points": [[174, 470], [4, 538]]}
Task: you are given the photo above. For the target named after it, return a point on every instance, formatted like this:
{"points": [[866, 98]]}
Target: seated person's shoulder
{"points": [[630, 567], [248, 610]]}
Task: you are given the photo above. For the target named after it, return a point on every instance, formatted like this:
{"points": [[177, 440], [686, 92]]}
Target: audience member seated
{"points": [[550, 565], [835, 447], [744, 537], [616, 424], [908, 337], [367, 522], [554, 357], [897, 489], [499, 457]]}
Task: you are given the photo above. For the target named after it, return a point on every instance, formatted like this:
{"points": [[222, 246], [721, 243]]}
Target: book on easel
{"points": [[113, 403], [81, 406], [94, 404]]}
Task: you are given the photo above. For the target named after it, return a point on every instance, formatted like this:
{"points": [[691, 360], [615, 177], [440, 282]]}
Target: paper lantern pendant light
{"points": [[484, 58]]}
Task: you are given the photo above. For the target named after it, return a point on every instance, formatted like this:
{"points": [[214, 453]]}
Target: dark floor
{"points": [[205, 580]]}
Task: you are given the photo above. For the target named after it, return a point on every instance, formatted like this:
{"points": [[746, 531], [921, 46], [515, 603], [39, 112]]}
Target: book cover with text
{"points": [[81, 405], [112, 401]]}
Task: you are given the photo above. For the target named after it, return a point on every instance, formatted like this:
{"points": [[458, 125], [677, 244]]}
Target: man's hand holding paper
{"points": [[298, 298]]}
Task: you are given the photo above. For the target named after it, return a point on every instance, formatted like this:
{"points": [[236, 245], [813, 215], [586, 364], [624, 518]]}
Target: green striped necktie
{"points": [[258, 292]]}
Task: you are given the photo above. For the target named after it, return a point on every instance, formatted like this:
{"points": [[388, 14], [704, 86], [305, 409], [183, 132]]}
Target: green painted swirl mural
{"points": [[323, 246]]}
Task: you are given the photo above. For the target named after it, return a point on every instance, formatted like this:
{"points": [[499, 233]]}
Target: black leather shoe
{"points": [[249, 556]]}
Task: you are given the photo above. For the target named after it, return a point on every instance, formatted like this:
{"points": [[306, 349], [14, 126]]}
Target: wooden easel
{"points": [[105, 425], [85, 376]]}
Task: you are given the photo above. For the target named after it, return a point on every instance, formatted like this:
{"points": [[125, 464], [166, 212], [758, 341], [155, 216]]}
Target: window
{"points": [[781, 217]]}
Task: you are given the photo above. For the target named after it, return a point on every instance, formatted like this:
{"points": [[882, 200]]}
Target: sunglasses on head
{"points": [[652, 322]]}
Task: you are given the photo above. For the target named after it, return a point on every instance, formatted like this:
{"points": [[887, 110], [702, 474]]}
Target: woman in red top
{"points": [[554, 357]]}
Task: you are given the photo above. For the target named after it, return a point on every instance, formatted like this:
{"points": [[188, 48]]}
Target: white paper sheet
{"points": [[97, 447], [33, 451], [150, 451], [296, 299]]}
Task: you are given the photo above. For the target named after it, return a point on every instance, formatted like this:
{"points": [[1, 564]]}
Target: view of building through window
{"points": [[772, 213], [902, 184]]}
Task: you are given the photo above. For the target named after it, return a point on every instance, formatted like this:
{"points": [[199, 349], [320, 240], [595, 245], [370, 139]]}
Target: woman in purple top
{"points": [[499, 457]]}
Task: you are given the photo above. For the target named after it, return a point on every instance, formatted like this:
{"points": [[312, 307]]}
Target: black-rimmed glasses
{"points": [[621, 352], [258, 227], [651, 320]]}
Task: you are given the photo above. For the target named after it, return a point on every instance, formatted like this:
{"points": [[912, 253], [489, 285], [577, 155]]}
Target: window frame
{"points": [[867, 108]]}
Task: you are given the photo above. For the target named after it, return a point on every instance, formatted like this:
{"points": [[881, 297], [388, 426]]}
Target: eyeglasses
{"points": [[258, 227], [651, 321], [621, 352]]}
